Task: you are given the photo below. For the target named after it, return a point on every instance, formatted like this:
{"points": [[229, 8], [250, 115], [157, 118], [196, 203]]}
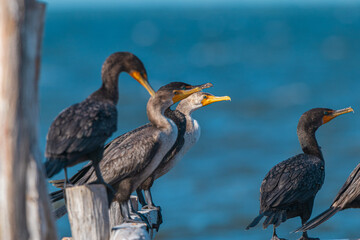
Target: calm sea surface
{"points": [[275, 63]]}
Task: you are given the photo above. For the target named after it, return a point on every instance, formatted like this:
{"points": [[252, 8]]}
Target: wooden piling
{"points": [[24, 205], [90, 218], [87, 208]]}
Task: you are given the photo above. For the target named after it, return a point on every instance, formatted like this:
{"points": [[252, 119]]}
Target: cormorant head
{"points": [[314, 118], [198, 100], [132, 65], [177, 91]]}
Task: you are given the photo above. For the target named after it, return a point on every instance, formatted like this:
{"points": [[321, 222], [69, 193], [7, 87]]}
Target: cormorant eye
{"points": [[326, 113], [205, 97], [183, 88]]}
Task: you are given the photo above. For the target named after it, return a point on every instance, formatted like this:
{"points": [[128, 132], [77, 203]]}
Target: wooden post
{"points": [[89, 216], [88, 212], [24, 204], [130, 231]]}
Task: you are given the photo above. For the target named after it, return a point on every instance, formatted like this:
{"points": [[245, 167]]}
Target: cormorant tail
{"points": [[255, 221], [275, 218], [56, 196], [58, 203], [81, 177], [59, 208], [57, 183], [318, 220], [53, 166]]}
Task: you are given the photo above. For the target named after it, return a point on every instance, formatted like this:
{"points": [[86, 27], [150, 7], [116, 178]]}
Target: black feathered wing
{"points": [[85, 175], [292, 181], [124, 158], [129, 159], [81, 129]]}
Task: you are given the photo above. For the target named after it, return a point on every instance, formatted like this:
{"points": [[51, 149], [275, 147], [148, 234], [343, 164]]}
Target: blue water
{"points": [[275, 63]]}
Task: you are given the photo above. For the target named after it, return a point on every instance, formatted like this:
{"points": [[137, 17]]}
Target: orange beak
{"points": [[334, 114], [211, 99], [143, 81]]}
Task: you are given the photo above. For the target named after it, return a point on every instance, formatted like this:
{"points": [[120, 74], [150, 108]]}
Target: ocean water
{"points": [[274, 62]]}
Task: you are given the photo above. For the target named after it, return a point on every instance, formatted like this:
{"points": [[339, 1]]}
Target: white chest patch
{"points": [[191, 136]]}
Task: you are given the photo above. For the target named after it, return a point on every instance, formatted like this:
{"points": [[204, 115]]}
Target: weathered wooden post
{"points": [[90, 218], [88, 212], [25, 210]]}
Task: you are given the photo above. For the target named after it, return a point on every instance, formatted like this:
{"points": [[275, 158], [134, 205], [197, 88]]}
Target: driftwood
{"points": [[25, 210], [88, 212]]}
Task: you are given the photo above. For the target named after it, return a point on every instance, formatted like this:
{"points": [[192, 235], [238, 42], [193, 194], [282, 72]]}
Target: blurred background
{"points": [[275, 59]]}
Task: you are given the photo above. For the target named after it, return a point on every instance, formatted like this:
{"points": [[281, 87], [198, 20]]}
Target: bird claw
{"points": [[152, 207], [143, 220], [159, 218]]}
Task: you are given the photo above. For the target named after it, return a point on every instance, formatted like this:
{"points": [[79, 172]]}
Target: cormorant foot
{"points": [[159, 218], [143, 218], [152, 207]]}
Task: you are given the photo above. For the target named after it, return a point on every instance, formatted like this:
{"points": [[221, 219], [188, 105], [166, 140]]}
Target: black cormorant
{"points": [[79, 132], [347, 197], [289, 188], [129, 159], [188, 135]]}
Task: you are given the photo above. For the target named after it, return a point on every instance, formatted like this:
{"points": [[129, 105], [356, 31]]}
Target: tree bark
{"points": [[24, 206]]}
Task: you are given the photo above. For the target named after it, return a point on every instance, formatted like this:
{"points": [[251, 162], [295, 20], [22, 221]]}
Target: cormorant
{"points": [[347, 197], [188, 135], [289, 188], [130, 159], [79, 132]]}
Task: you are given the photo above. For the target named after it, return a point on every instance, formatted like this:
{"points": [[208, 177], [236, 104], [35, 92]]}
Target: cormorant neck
{"points": [[110, 72], [155, 112], [308, 141], [187, 109]]}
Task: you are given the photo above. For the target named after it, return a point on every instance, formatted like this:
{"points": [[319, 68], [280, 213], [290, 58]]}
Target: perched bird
{"points": [[347, 197], [79, 132], [130, 159], [188, 135], [289, 188]]}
